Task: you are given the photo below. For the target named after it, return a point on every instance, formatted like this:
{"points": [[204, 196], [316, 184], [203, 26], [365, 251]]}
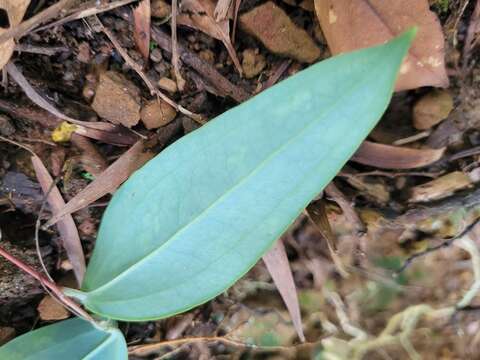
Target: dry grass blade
{"points": [[66, 226], [395, 157], [279, 268], [141, 34], [86, 10], [221, 10], [106, 182], [41, 17]]}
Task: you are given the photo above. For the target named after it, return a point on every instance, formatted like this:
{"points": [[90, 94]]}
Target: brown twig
{"points": [[175, 58], [66, 301], [222, 84], [96, 23]]}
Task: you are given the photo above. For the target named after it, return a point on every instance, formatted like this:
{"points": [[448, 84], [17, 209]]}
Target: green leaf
{"points": [[73, 339], [199, 215]]}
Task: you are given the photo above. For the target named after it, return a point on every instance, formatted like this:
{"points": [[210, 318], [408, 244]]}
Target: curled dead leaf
{"points": [[15, 11], [395, 157], [353, 24]]}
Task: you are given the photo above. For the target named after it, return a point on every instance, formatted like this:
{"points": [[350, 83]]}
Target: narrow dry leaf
{"points": [[33, 95], [15, 11], [279, 268], [106, 182], [441, 187], [353, 24], [395, 157], [200, 16], [66, 226], [221, 10], [141, 34], [316, 211]]}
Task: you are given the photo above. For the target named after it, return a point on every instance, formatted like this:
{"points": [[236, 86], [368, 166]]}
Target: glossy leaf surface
{"points": [[199, 215], [73, 339]]}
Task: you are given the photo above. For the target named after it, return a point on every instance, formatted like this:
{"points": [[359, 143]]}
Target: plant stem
{"points": [[66, 301]]}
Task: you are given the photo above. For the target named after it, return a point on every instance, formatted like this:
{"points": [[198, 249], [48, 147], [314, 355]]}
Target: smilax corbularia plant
{"points": [[199, 215]]}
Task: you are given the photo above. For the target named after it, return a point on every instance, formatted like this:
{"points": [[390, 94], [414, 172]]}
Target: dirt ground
{"points": [[396, 230]]}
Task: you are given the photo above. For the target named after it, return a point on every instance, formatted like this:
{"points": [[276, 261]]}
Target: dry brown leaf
{"points": [[353, 24], [15, 11], [141, 34], [222, 9], [279, 268], [317, 213], [395, 157], [106, 182], [199, 14], [66, 226]]}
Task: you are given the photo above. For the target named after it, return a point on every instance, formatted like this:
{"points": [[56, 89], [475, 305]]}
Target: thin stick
{"points": [[175, 57], [43, 16], [91, 9], [67, 302], [153, 90]]}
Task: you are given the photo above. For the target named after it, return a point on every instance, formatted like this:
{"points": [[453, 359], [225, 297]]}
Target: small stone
{"points": [[272, 26], [167, 85], [189, 125], [431, 109], [156, 55], [6, 126], [253, 63], [6, 334], [84, 53], [117, 99], [49, 310], [160, 9], [157, 113], [162, 68], [207, 55]]}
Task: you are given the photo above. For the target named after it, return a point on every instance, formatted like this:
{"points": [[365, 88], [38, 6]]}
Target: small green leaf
{"points": [[73, 339], [199, 215]]}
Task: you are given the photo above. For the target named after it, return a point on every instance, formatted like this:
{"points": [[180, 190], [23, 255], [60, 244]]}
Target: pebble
{"points": [[160, 9], [252, 63], [157, 113], [271, 25], [117, 99], [156, 55], [431, 109], [167, 85], [6, 126]]}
